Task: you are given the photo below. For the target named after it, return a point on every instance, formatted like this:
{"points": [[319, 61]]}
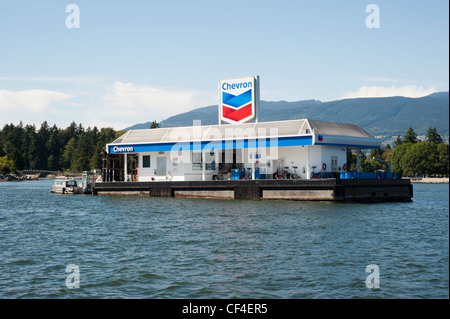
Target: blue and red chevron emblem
{"points": [[237, 107]]}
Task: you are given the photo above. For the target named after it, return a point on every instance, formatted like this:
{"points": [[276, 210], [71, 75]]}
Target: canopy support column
{"points": [[357, 160], [203, 166], [125, 167], [308, 169]]}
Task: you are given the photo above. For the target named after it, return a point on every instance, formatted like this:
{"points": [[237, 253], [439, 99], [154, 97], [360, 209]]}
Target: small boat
{"points": [[87, 180], [65, 186], [71, 186]]}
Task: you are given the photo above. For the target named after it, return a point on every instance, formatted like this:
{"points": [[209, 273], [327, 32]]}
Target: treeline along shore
{"points": [[73, 149], [77, 149]]}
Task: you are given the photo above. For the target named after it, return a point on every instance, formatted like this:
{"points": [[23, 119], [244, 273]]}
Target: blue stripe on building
{"points": [[213, 145], [346, 145]]}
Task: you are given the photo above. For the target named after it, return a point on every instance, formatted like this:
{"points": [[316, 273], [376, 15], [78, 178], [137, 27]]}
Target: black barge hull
{"points": [[331, 189]]}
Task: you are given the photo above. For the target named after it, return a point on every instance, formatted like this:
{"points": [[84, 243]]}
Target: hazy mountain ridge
{"points": [[385, 116]]}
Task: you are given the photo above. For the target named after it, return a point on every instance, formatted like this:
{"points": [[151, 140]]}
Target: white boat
{"points": [[65, 186]]}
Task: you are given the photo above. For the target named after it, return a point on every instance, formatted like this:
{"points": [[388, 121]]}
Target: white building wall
{"points": [[147, 173], [176, 169], [333, 151], [291, 156], [304, 158], [315, 159], [308, 159]]}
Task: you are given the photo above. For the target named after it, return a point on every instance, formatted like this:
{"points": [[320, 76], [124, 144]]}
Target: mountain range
{"points": [[383, 117]]}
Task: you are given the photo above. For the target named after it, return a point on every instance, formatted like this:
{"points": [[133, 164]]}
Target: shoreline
{"points": [[429, 180], [18, 177], [35, 177]]}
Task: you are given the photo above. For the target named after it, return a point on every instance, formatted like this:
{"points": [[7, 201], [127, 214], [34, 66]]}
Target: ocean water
{"points": [[136, 247]]}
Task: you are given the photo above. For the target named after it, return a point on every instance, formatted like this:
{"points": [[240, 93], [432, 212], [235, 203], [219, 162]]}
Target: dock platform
{"points": [[328, 189]]}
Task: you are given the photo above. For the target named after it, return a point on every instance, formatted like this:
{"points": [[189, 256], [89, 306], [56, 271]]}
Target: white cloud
{"points": [[136, 98], [28, 106], [382, 91], [117, 105], [129, 104], [35, 101]]}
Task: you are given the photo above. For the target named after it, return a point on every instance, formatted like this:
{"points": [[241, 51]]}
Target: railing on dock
{"points": [[369, 175]]}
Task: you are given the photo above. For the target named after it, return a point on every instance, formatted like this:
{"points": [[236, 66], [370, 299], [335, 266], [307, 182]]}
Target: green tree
{"points": [[53, 163], [376, 152], [42, 151], [398, 141], [65, 135], [423, 158], [54, 149], [10, 138], [397, 164], [95, 161], [351, 160], [68, 155], [410, 136], [17, 158], [105, 136], [420, 159], [30, 140], [433, 136], [84, 150], [6, 165], [370, 165], [154, 125], [442, 165], [363, 166], [387, 153]]}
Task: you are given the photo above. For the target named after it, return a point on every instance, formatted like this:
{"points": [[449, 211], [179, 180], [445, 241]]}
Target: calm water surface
{"points": [[132, 247]]}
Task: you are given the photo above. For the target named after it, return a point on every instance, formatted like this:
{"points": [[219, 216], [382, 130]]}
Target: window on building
{"points": [[334, 161], [196, 161], [145, 161], [209, 159]]}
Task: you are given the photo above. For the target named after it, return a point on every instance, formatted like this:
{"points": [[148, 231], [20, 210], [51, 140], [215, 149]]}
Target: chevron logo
{"points": [[238, 99], [237, 107]]}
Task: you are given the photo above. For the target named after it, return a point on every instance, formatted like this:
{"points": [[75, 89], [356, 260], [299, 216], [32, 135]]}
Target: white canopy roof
{"points": [[277, 129]]}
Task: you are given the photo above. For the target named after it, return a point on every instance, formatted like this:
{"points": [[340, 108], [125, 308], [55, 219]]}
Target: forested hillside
{"points": [[51, 148]]}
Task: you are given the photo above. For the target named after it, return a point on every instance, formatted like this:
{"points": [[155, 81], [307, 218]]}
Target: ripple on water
{"points": [[140, 247]]}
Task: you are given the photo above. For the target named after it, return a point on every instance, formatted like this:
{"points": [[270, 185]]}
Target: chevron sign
{"points": [[238, 99]]}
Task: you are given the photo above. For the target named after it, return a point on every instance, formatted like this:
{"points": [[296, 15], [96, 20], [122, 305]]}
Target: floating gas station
{"points": [[241, 157]]}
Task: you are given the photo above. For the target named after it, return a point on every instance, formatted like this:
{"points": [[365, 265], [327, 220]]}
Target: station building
{"points": [[294, 149], [299, 149]]}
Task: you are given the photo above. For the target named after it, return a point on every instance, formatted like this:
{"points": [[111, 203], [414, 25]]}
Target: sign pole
{"points": [[257, 98], [219, 103], [125, 167]]}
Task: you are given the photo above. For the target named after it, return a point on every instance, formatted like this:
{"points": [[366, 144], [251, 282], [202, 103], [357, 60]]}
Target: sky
{"points": [[130, 62]]}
